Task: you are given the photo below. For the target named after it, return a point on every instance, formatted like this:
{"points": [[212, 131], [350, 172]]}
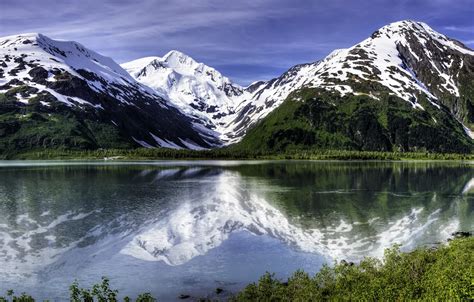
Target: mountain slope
{"points": [[59, 94], [405, 88]]}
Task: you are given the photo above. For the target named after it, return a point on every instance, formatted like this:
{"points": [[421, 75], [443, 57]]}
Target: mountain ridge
{"points": [[59, 94], [175, 102], [382, 52], [383, 68]]}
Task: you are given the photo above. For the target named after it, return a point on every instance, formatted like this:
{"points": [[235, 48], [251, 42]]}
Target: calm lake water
{"points": [[172, 228]]}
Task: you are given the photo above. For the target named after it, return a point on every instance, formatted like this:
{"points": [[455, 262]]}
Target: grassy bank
{"points": [[445, 273], [230, 153]]}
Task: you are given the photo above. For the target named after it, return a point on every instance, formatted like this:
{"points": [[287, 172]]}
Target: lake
{"points": [[189, 227]]}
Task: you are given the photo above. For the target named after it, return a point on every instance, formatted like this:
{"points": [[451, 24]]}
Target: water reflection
{"points": [[173, 214], [231, 202]]}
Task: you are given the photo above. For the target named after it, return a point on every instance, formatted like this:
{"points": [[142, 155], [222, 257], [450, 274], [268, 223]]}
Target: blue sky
{"points": [[246, 40]]}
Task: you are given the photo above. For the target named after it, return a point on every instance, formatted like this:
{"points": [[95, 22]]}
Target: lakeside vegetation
{"points": [[444, 273], [227, 153]]}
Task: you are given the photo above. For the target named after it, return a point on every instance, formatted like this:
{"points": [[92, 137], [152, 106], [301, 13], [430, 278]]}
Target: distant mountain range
{"points": [[405, 88]]}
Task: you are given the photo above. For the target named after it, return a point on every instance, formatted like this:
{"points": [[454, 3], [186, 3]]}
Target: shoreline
{"points": [[231, 154]]}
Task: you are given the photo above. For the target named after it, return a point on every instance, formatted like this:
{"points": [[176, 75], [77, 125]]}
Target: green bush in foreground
{"points": [[442, 274], [102, 293], [445, 273]]}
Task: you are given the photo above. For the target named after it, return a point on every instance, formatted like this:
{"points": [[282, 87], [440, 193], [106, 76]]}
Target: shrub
{"points": [[445, 273]]}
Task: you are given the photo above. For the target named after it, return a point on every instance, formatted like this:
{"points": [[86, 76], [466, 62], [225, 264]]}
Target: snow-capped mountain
{"points": [[405, 59], [87, 101], [200, 91], [84, 100], [224, 109], [414, 89], [37, 58]]}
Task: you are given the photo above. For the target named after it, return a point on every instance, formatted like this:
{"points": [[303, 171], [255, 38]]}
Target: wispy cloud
{"points": [[131, 18], [466, 29]]}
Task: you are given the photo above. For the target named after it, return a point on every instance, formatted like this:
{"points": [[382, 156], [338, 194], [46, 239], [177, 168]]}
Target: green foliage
{"points": [[30, 130], [146, 297], [10, 297], [442, 274], [101, 292]]}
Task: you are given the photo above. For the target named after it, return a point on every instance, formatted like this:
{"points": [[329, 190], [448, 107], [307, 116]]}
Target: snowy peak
{"points": [[198, 90], [136, 66], [56, 52], [177, 59], [407, 59], [43, 60], [181, 65], [405, 28], [414, 52]]}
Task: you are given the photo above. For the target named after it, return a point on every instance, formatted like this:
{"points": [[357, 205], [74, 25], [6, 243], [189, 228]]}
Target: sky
{"points": [[246, 40]]}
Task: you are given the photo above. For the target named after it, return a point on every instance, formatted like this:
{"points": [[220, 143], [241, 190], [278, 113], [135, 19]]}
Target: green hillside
{"points": [[317, 119]]}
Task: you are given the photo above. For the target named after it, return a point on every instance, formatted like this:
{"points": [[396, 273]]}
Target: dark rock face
{"points": [[452, 63], [252, 88], [231, 90], [38, 74]]}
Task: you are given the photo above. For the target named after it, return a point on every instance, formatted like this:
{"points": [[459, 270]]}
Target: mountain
{"points": [[216, 104], [405, 88], [209, 98], [419, 83], [59, 94]]}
